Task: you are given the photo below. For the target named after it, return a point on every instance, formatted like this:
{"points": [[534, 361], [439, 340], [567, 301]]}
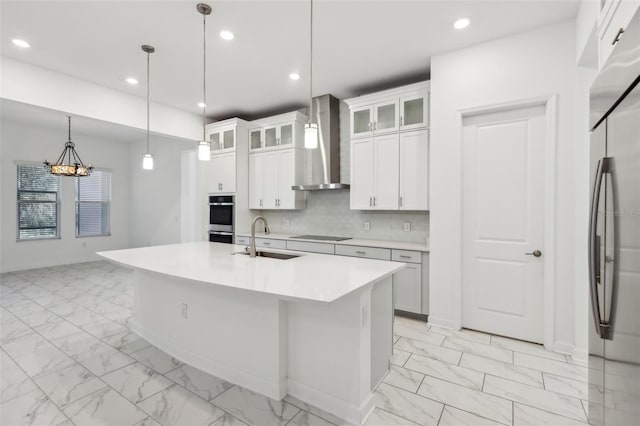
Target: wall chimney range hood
{"points": [[325, 159]]}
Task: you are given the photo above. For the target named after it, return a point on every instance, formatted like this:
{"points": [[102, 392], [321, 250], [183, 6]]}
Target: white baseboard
{"points": [[442, 322], [46, 264], [563, 347], [351, 413]]}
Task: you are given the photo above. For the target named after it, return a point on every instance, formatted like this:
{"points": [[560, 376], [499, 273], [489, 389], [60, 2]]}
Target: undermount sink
{"points": [[270, 254]]}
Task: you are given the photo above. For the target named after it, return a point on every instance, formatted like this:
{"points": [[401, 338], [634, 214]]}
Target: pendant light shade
{"points": [[311, 129], [147, 159], [73, 166], [311, 135], [204, 147]]}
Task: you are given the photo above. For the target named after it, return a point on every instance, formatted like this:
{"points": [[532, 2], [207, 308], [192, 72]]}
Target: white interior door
{"points": [[503, 208]]}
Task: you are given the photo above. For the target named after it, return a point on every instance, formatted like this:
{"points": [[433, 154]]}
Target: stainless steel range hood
{"points": [[325, 159]]}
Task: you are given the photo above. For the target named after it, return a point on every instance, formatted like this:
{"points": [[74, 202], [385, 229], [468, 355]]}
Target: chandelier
{"points": [[74, 165]]}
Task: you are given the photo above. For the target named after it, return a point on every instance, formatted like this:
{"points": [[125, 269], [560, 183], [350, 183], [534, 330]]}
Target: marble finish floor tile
{"points": [[12, 329], [45, 360], [410, 322], [529, 395], [202, 384], [425, 349], [479, 349], [399, 357], [525, 347], [104, 359], [255, 409], [445, 371], [470, 335], [104, 328], [466, 399], [315, 411], [228, 420], [33, 408], [149, 421], [14, 383], [408, 405], [156, 359], [570, 387], [418, 334], [304, 418], [545, 365], [176, 406], [104, 407], [523, 415], [69, 384], [505, 370], [404, 379], [452, 416], [380, 417], [78, 343], [136, 381], [127, 342]]}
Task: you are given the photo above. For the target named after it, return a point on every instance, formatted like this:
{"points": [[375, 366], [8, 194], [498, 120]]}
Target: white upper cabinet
{"points": [[278, 132], [614, 17], [390, 149], [256, 171], [414, 170], [404, 108], [220, 171]]}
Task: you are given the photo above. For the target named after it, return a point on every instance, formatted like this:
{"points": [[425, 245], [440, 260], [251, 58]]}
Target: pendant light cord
{"points": [[204, 74], [148, 84], [69, 120], [310, 61]]}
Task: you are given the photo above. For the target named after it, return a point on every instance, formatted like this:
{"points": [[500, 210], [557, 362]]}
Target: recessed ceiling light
{"points": [[132, 81], [20, 43], [202, 104], [461, 23], [294, 76], [226, 34]]}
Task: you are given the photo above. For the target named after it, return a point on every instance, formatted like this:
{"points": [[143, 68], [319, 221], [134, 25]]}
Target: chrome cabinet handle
{"points": [[618, 36], [375, 125], [374, 201], [361, 252], [370, 201], [404, 256], [401, 120], [401, 201], [370, 125], [260, 202], [266, 243], [535, 253]]}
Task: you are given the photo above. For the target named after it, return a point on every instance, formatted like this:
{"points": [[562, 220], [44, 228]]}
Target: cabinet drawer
{"points": [[324, 248], [245, 241], [271, 243], [368, 252], [408, 256]]}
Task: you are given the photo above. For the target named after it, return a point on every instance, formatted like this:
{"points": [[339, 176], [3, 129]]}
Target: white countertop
{"points": [[310, 277], [398, 245]]}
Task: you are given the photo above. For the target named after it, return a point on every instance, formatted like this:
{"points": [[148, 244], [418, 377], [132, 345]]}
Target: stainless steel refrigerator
{"points": [[614, 237]]}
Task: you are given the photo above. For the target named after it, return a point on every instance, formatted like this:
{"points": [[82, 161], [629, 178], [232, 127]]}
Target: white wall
{"points": [[33, 85], [26, 142], [156, 195], [535, 64]]}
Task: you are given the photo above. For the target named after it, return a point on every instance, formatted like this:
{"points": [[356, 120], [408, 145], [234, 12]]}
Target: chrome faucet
{"points": [[252, 251]]}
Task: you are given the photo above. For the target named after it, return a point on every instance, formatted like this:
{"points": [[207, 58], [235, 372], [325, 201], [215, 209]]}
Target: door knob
{"points": [[535, 253]]}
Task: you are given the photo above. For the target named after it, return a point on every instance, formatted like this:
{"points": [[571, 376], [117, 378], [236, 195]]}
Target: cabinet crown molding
{"points": [[238, 122], [389, 93], [280, 118]]}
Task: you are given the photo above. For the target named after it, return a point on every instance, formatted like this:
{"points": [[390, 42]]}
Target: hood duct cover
{"points": [[325, 159]]}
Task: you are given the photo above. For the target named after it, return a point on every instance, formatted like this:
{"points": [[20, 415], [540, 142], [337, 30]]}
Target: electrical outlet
{"points": [[407, 226], [184, 311], [367, 225]]}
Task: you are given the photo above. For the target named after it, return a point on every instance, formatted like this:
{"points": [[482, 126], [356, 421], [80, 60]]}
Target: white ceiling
{"points": [[358, 45]]}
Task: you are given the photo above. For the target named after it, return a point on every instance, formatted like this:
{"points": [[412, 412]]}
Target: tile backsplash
{"points": [[328, 213]]}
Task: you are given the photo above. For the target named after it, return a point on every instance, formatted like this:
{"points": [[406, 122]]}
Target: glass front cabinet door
{"points": [[255, 139], [386, 117], [223, 139], [414, 112], [362, 121]]}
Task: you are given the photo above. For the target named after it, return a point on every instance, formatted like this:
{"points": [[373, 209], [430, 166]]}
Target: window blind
{"points": [[38, 203], [93, 204]]}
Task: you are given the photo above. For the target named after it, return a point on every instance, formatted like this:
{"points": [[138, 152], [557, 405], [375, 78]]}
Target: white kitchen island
{"points": [[316, 327]]}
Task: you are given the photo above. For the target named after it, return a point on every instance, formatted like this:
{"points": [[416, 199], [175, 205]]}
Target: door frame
{"points": [[550, 114]]}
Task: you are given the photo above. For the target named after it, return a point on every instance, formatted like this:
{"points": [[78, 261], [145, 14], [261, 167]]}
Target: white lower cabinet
{"points": [[407, 288]]}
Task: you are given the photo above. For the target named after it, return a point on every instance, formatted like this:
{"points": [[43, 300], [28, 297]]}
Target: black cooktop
{"points": [[321, 237]]}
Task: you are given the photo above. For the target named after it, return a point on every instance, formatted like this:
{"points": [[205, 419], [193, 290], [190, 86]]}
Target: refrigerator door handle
{"points": [[594, 251]]}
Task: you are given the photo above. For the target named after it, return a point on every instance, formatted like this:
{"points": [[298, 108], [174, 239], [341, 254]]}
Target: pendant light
{"points": [[204, 147], [147, 159], [74, 165], [310, 129]]}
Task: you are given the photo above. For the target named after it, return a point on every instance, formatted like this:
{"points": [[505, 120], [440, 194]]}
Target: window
{"points": [[38, 203], [93, 204]]}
